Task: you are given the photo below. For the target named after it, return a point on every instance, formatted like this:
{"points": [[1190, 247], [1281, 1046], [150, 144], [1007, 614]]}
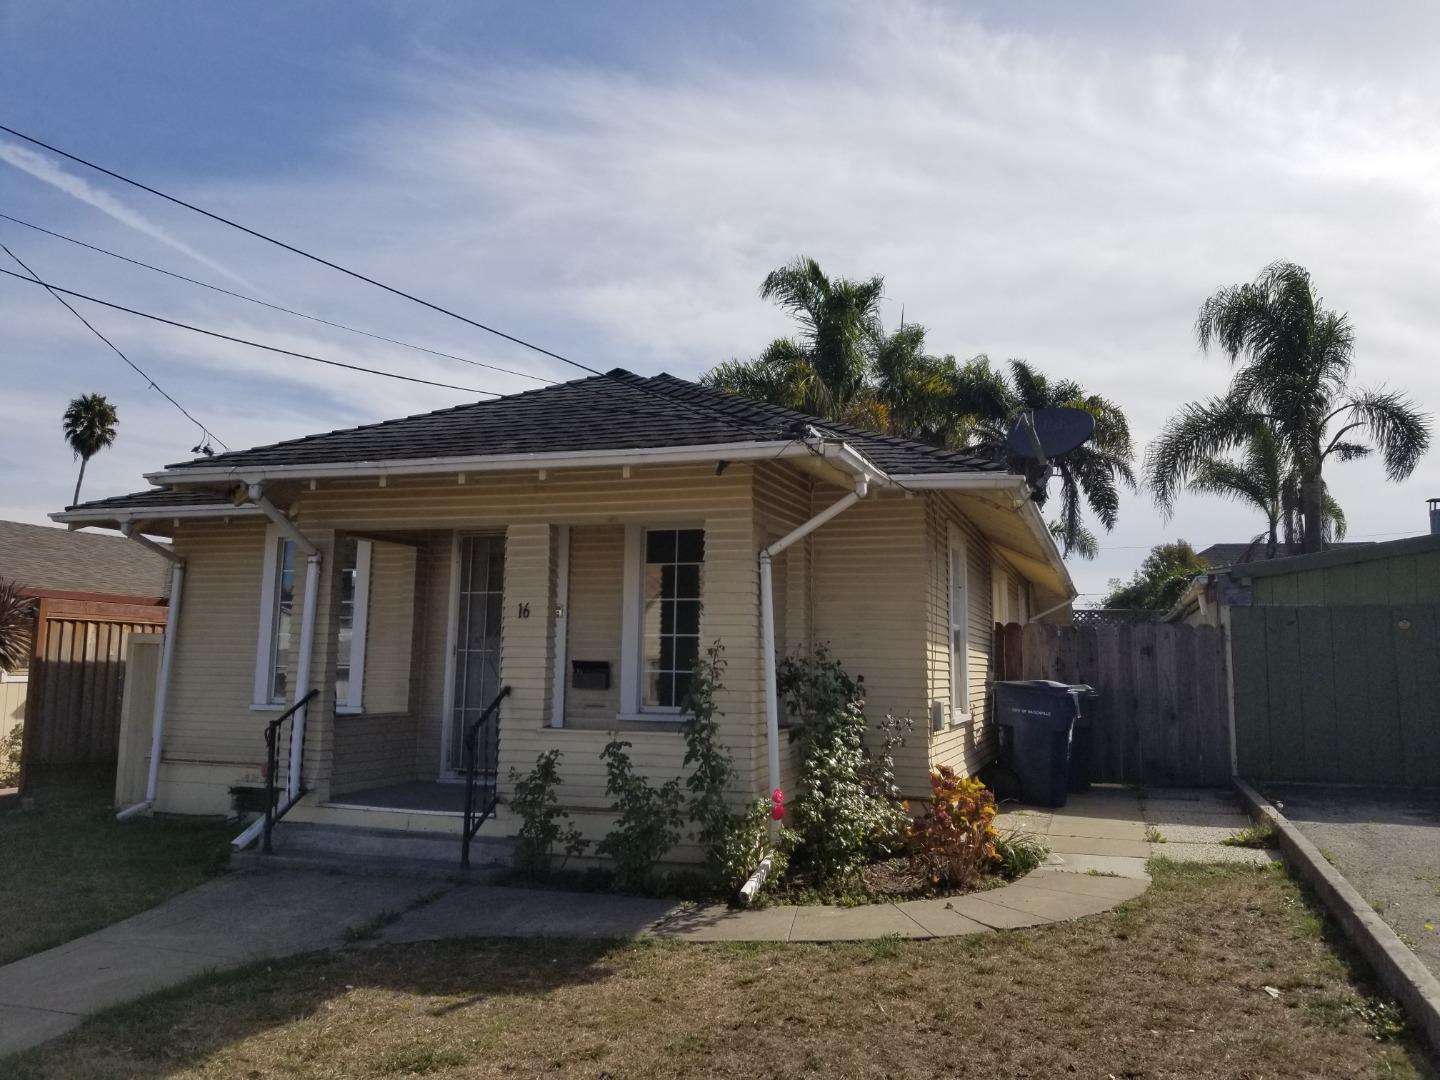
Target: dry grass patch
{"points": [[1171, 985]]}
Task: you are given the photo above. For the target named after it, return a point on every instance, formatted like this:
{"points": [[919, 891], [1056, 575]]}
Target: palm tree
{"points": [[89, 426], [823, 369], [1261, 478], [1295, 379], [1090, 475], [17, 627]]}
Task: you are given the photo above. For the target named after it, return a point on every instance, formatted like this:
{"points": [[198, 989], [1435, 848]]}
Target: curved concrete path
{"points": [[1099, 842]]}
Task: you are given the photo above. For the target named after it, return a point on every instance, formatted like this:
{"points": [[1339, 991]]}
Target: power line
{"points": [[266, 304], [243, 341], [299, 251], [176, 200], [204, 431]]}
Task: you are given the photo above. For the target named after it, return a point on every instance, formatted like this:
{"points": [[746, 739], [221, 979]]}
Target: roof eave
{"points": [[479, 463], [129, 515]]}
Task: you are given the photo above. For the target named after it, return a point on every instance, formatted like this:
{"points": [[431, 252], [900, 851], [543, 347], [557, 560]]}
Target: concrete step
{"points": [[367, 852]]}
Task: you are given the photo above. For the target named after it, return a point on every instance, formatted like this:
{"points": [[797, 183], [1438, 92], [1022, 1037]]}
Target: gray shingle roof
{"points": [[157, 496], [616, 411], [40, 557]]}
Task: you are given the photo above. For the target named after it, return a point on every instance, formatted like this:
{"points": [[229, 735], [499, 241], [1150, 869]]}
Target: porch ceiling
{"points": [[994, 514]]}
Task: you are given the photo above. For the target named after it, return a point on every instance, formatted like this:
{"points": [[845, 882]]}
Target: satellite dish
{"points": [[1041, 434]]}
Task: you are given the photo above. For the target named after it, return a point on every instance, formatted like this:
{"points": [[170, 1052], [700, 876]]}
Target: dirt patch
{"points": [[1215, 971]]}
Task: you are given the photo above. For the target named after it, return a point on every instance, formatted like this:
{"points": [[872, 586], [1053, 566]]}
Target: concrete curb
{"points": [[1399, 969]]}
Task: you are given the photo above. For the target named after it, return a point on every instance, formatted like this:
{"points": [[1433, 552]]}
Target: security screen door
{"points": [[477, 643]]}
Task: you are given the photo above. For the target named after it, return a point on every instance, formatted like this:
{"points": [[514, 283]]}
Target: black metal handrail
{"points": [[481, 760], [272, 765]]}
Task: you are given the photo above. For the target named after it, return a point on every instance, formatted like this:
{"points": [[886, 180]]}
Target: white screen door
{"points": [[477, 641]]}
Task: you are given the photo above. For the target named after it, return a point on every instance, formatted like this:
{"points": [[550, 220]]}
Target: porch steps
{"points": [[366, 852]]}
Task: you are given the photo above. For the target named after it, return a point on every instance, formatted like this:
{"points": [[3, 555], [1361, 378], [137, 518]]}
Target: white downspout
{"points": [[767, 620], [307, 631], [167, 655]]}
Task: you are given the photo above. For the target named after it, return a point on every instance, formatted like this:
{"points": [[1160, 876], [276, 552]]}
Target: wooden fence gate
{"points": [[1163, 716], [77, 679], [1338, 693]]}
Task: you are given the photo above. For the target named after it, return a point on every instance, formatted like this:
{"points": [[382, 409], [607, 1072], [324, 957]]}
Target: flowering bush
{"points": [[848, 810], [543, 824], [648, 820], [954, 843]]}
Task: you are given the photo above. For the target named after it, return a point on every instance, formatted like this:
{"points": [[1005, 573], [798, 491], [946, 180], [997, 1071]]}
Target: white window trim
{"points": [[632, 625], [956, 552], [999, 594], [359, 624], [13, 677], [260, 699]]}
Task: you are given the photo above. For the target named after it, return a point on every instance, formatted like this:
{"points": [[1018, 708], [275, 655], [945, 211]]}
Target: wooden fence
{"points": [[1163, 716], [77, 679], [1338, 693]]}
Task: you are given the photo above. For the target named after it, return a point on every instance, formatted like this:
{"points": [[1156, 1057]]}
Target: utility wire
{"points": [[176, 200], [204, 431], [239, 340], [265, 303]]}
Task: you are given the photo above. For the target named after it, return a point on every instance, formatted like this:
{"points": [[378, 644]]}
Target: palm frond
{"points": [[1398, 428], [17, 627], [1201, 431]]}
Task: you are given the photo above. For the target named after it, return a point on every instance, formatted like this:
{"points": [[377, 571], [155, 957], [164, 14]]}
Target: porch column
{"points": [[527, 628]]}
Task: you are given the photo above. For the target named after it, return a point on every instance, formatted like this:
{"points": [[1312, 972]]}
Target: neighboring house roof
{"points": [[42, 559], [1341, 555], [1218, 555], [616, 411]]}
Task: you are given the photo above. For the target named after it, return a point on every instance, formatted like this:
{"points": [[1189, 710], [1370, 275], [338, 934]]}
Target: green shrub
{"points": [[848, 810], [1019, 853], [648, 820], [543, 824], [10, 757]]}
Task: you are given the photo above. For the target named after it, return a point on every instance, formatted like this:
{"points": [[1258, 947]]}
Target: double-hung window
{"points": [[959, 611], [664, 583], [282, 577]]}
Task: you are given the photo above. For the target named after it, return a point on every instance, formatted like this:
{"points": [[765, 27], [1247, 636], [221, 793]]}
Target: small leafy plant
{"points": [[1262, 835], [1019, 853], [648, 820], [954, 842], [543, 825]]}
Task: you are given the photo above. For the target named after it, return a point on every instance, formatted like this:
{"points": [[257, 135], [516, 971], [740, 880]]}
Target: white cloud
{"points": [[51, 172], [1063, 199]]}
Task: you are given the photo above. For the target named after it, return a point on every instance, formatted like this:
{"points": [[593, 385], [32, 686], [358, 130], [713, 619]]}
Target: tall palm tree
{"points": [[1262, 478], [1090, 475], [89, 426], [1296, 379], [822, 370]]}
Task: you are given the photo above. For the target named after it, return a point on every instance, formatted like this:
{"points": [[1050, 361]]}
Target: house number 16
{"points": [[523, 611]]}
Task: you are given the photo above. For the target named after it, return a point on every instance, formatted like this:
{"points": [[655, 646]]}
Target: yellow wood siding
{"points": [[372, 750], [968, 742], [390, 628], [597, 556], [13, 691]]}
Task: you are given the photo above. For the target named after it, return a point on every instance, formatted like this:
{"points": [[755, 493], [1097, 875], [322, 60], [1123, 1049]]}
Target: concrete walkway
{"points": [[1099, 842]]}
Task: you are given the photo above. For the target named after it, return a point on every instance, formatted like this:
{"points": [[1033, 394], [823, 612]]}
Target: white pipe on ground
{"points": [[756, 881], [767, 622], [252, 832]]}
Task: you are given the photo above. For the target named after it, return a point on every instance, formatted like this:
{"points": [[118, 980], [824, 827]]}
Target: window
{"points": [[674, 562], [277, 608], [959, 620], [660, 639], [352, 562]]}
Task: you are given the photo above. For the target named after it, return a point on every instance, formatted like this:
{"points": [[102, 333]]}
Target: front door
{"points": [[477, 645]]}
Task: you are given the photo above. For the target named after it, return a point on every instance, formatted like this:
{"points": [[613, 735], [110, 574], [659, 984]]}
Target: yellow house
{"points": [[579, 545]]}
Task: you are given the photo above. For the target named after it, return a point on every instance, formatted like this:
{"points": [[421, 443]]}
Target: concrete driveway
{"points": [[1387, 844]]}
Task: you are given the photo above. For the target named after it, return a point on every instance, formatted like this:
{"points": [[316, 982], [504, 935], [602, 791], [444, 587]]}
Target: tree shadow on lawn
{"points": [[1173, 983]]}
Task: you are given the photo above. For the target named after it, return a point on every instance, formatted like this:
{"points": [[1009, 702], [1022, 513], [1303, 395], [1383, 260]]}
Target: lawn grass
{"points": [[1173, 984], [68, 867]]}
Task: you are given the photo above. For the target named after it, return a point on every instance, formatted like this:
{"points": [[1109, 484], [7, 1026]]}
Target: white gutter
{"points": [[162, 682], [480, 463], [307, 631], [767, 620], [135, 515]]}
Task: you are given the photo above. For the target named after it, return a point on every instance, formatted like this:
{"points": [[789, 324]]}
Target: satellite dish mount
{"points": [[1038, 436]]}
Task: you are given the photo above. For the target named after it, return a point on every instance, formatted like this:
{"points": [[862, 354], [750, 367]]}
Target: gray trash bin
{"points": [[1038, 721]]}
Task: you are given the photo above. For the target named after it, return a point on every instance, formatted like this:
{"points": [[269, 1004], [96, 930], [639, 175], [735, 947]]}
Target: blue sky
{"points": [[1060, 182]]}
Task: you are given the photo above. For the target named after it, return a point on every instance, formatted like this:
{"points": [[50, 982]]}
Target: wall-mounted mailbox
{"points": [[590, 674]]}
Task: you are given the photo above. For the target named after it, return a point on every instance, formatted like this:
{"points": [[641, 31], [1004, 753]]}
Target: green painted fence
{"points": [[1347, 694]]}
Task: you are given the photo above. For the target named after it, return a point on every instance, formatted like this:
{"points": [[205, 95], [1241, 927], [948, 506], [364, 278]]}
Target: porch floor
{"points": [[415, 796]]}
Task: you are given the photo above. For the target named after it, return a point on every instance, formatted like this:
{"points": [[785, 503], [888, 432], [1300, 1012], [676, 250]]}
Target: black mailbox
{"points": [[590, 674]]}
